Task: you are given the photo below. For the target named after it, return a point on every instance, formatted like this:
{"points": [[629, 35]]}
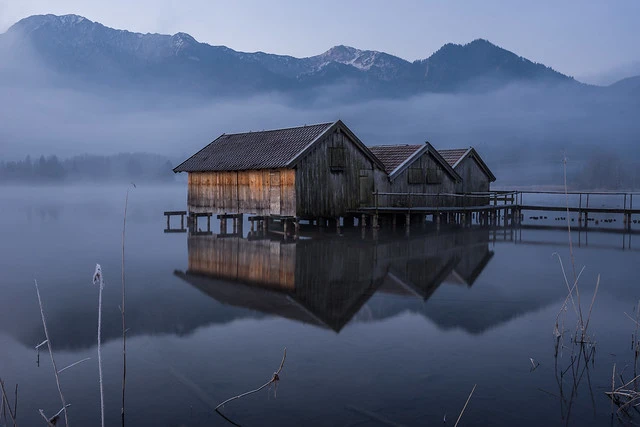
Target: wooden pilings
{"points": [[169, 214]]}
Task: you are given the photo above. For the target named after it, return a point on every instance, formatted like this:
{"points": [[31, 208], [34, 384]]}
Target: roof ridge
{"points": [[395, 145], [280, 129]]}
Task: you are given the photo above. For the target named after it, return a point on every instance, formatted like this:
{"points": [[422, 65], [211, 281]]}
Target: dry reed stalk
{"points": [[51, 422], [573, 262], [613, 384], [15, 405], [122, 307], [593, 300], [98, 280], [465, 405], [5, 401], [3, 414], [73, 364], [53, 361], [46, 419], [559, 331], [275, 378]]}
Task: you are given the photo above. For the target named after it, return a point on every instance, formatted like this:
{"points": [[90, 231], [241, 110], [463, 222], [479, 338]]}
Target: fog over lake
{"points": [[459, 300]]}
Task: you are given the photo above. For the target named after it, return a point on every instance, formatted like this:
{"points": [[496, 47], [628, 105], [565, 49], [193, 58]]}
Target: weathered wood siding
{"points": [[473, 177], [325, 191], [402, 184], [265, 263], [473, 180], [262, 192]]}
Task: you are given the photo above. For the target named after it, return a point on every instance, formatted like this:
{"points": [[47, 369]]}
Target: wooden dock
{"points": [[496, 208], [489, 209]]}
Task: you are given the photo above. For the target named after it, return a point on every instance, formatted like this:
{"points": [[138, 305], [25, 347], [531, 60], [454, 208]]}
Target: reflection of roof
{"points": [[326, 282], [254, 298], [392, 156], [269, 149], [471, 276], [333, 309]]}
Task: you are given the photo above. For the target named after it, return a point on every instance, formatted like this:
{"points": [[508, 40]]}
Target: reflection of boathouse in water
{"points": [[327, 281]]}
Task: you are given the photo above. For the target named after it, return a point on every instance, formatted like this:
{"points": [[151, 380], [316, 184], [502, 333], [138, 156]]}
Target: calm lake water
{"points": [[393, 330]]}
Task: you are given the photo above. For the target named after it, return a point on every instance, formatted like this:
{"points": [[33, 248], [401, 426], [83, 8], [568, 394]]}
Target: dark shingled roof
{"points": [[392, 156], [452, 156], [269, 149]]}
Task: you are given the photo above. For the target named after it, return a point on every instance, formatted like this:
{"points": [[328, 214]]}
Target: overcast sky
{"points": [[576, 37]]}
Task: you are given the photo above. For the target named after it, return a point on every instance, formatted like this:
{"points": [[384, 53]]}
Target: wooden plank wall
{"points": [[248, 192], [400, 184], [473, 180], [261, 262], [323, 192]]}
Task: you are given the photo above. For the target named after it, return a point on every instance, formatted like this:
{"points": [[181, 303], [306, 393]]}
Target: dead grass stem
{"points": [[53, 361], [465, 405]]}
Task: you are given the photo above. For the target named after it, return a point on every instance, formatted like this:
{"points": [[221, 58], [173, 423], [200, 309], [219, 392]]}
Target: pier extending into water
{"points": [[615, 212], [502, 208]]}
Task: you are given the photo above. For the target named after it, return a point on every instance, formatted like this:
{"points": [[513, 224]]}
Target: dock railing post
{"points": [[375, 223]]}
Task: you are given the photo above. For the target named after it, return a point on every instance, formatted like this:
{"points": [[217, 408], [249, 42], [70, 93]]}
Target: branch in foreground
{"points": [[275, 378]]}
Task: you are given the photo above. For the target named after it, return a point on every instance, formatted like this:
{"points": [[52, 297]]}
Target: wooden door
{"points": [[274, 192], [366, 187]]}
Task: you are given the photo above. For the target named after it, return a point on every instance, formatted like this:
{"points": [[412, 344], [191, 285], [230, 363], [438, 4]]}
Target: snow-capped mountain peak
{"points": [[360, 59]]}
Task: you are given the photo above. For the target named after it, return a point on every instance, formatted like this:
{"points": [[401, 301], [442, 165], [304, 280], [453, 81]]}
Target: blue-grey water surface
{"points": [[395, 329]]}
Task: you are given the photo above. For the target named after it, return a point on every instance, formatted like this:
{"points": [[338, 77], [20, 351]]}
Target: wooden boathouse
{"points": [[476, 177], [313, 172], [416, 169], [324, 172]]}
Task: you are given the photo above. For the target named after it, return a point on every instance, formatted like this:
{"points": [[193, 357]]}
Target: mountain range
{"points": [[74, 50]]}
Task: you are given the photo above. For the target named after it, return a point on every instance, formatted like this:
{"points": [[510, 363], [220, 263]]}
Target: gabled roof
{"points": [[392, 156], [396, 158], [456, 155], [270, 149]]}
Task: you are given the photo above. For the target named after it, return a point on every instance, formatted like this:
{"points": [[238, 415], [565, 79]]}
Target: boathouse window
{"points": [[337, 153], [415, 175], [337, 158], [434, 176]]}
